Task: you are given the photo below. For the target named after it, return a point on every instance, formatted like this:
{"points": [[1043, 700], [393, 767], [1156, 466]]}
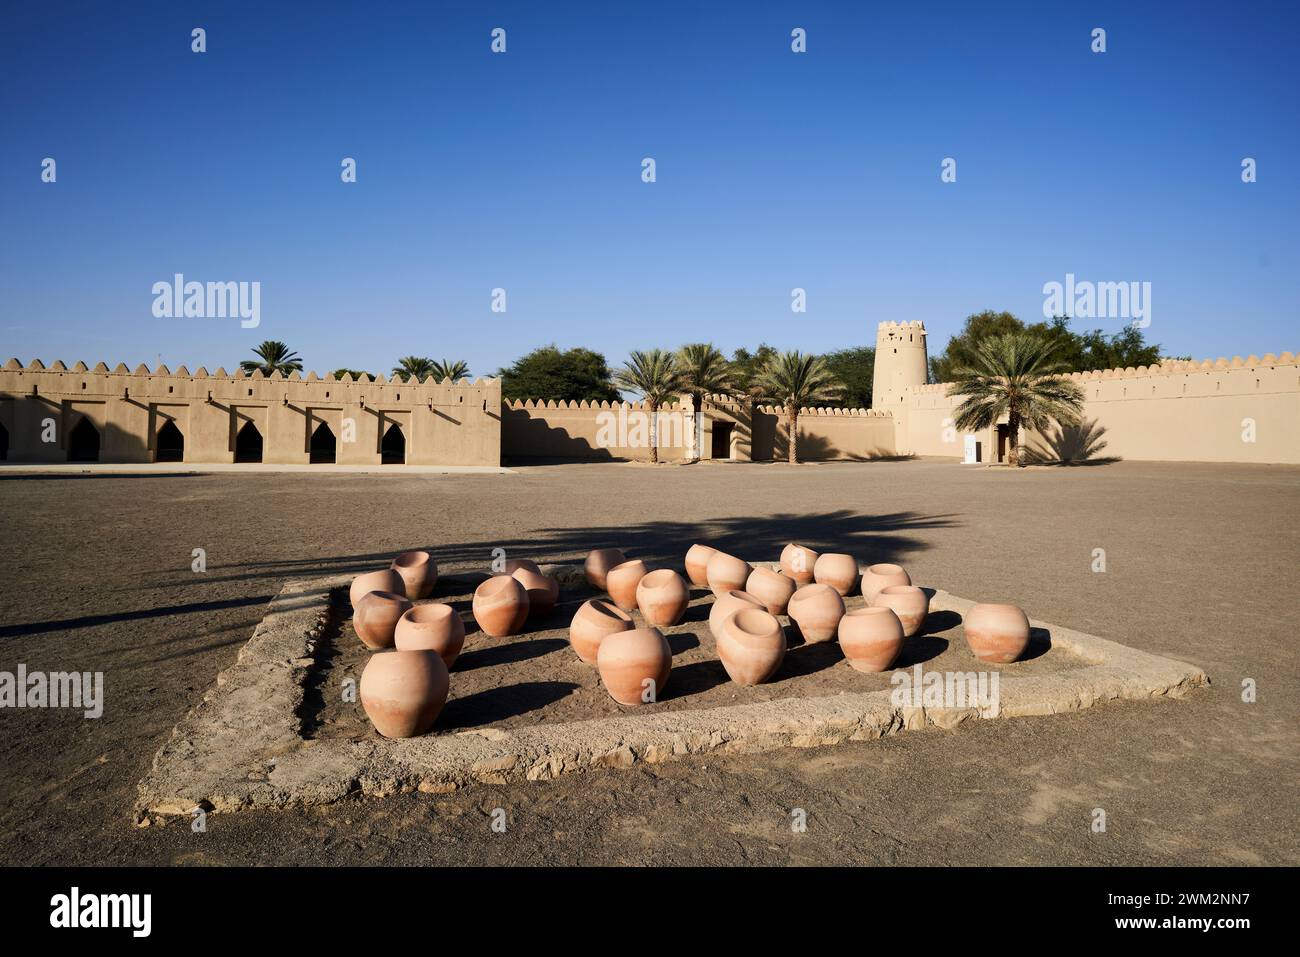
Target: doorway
{"points": [[248, 443], [722, 439], [324, 447], [83, 442], [171, 444], [392, 451], [1002, 443]]}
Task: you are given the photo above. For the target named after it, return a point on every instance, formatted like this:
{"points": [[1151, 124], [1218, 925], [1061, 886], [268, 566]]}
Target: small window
{"points": [[327, 395], [83, 385], [250, 391], [171, 388]]}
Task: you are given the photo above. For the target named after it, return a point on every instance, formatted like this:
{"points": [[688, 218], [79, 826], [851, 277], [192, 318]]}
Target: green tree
{"points": [[272, 356], [794, 380], [455, 371], [854, 368], [355, 373], [414, 367], [655, 376], [1020, 375], [703, 370], [961, 348], [551, 375]]}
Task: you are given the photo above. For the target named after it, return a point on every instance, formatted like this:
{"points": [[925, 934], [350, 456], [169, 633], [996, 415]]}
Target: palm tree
{"points": [[413, 367], [704, 370], [655, 376], [455, 371], [794, 381], [1018, 375], [272, 356]]}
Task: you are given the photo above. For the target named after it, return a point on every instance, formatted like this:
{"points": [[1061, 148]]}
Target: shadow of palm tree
{"points": [[1068, 445]]}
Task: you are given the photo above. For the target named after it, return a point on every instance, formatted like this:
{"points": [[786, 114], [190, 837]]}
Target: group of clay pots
{"points": [[505, 601], [634, 663]]}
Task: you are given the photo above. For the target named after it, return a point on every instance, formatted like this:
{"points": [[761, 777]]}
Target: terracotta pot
{"points": [[871, 638], [751, 645], [910, 604], [726, 573], [622, 580], [881, 576], [514, 564], [797, 563], [598, 565], [728, 603], [543, 591], [630, 660], [375, 616], [594, 621], [419, 573], [433, 627], [386, 580], [697, 564], [500, 606], [838, 570], [996, 633], [817, 610], [403, 691], [662, 597], [771, 588]]}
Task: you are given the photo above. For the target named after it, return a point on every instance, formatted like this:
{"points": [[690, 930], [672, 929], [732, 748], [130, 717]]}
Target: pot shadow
{"points": [[497, 704], [919, 649], [507, 653], [808, 659], [1040, 643], [682, 641], [695, 678]]}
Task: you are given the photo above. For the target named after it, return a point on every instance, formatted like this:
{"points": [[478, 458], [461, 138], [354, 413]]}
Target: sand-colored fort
{"points": [[1238, 410]]}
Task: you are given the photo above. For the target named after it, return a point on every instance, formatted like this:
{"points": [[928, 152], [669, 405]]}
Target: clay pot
{"points": [[817, 610], [419, 573], [628, 660], [697, 564], [662, 597], [598, 565], [797, 563], [622, 580], [871, 638], [386, 580], [771, 588], [543, 591], [881, 576], [751, 645], [433, 627], [404, 691], [594, 621], [726, 573], [996, 633], [838, 570], [375, 616], [514, 564], [500, 606], [910, 604], [729, 603]]}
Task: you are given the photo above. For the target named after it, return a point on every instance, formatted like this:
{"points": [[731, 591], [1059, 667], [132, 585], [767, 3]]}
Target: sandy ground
{"points": [[95, 575]]}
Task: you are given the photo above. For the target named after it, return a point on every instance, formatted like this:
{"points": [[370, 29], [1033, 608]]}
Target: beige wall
{"points": [[443, 424]]}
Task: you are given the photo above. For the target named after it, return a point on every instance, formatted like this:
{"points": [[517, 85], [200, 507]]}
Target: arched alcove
{"points": [[83, 442], [171, 443], [248, 443], [392, 450], [324, 447]]}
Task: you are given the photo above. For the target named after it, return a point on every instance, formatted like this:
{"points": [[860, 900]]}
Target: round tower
{"points": [[901, 363]]}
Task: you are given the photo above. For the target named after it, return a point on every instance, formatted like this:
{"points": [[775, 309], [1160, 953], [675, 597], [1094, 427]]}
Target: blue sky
{"points": [[523, 171]]}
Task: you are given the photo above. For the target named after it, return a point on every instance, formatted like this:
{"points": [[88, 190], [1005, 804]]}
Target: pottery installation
{"points": [[386, 580], [543, 591], [773, 589], [598, 564], [797, 563], [838, 570], [500, 606], [910, 604], [728, 603], [881, 576], [662, 597], [726, 573], [594, 621], [634, 665], [871, 638], [403, 691], [751, 645], [622, 580], [432, 627], [697, 564], [997, 633], [817, 610], [419, 573], [375, 617]]}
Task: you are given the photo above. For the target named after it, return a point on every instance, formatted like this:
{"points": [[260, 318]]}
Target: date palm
{"points": [[455, 371], [272, 356], [1017, 375], [794, 381], [413, 367], [655, 376], [703, 370]]}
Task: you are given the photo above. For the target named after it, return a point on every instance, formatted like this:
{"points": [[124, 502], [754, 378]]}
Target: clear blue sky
{"points": [[522, 171]]}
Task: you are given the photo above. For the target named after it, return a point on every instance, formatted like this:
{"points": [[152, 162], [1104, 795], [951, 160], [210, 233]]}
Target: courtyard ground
{"points": [[1200, 565]]}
